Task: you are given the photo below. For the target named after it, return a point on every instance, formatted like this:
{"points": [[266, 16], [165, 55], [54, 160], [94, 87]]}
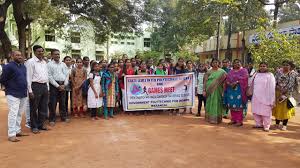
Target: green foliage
{"points": [[275, 50], [289, 12], [151, 55], [187, 55]]}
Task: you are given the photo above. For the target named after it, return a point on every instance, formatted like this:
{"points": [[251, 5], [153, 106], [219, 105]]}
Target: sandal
{"points": [[231, 123], [257, 127]]}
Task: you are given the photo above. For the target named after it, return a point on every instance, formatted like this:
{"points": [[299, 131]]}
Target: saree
{"points": [[214, 90], [235, 98]]}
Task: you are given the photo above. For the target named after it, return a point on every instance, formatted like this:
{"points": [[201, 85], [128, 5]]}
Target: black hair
{"points": [[66, 57], [225, 60], [213, 60], [77, 59], [85, 58], [54, 50], [93, 65], [182, 67], [120, 60], [237, 60], [124, 67], [37, 47], [263, 63]]}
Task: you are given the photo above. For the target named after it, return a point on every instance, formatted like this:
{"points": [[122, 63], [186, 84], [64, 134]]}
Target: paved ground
{"points": [[156, 141]]}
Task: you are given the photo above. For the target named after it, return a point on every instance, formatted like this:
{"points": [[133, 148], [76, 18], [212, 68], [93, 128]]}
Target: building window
{"points": [[128, 43], [99, 55], [76, 54], [132, 43], [114, 42], [147, 42], [50, 35], [122, 43], [75, 37]]}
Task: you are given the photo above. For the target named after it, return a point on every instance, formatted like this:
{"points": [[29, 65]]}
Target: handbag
{"points": [[291, 102], [249, 91]]}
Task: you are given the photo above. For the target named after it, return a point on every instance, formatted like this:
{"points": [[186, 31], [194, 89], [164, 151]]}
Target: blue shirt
{"points": [[14, 79]]}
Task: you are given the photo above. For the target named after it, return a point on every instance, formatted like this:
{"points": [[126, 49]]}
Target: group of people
{"points": [[81, 86], [231, 88]]}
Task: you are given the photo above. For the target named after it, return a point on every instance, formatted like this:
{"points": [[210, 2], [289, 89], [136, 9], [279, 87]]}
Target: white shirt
{"points": [[57, 72], [36, 72], [200, 82]]}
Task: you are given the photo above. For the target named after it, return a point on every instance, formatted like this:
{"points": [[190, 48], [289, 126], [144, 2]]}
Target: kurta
{"points": [[110, 88], [263, 94], [92, 102], [285, 83], [78, 77]]}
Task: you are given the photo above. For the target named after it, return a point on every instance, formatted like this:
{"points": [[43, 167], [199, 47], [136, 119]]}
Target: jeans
{"points": [[16, 106], [57, 96], [38, 105]]}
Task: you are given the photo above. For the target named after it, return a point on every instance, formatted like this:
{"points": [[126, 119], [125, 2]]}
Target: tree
{"points": [[289, 12], [5, 41], [273, 48], [277, 5], [27, 12]]}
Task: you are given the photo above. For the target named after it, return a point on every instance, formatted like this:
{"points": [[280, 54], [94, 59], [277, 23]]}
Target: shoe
{"points": [[13, 139], [257, 127], [28, 125], [266, 129], [67, 120], [239, 124], [21, 134], [225, 117], [198, 115], [52, 124], [44, 128], [231, 123], [35, 131], [284, 128]]}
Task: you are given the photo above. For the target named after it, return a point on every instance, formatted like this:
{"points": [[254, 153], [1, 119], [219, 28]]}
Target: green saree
{"points": [[214, 90]]}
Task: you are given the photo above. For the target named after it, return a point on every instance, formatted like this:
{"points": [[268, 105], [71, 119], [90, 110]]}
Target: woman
{"points": [[235, 97], [111, 90], [190, 69], [160, 70], [78, 77], [200, 79], [67, 61], [143, 69], [213, 90], [285, 83], [263, 98], [179, 69], [127, 70], [94, 98]]}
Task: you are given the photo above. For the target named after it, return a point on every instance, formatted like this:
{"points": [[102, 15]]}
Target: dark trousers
{"points": [[93, 112], [38, 105], [201, 99], [57, 96], [69, 95], [284, 122]]}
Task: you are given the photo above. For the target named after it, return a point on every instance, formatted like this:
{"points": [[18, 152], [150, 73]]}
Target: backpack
{"points": [[86, 85]]}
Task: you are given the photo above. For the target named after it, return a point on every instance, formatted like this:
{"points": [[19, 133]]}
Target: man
{"points": [[15, 82], [58, 80], [226, 68], [225, 65], [86, 65], [37, 79]]}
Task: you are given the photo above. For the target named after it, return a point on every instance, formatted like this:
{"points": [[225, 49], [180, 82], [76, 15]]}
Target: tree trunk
{"points": [[22, 22], [244, 48], [5, 41], [276, 11], [228, 54]]}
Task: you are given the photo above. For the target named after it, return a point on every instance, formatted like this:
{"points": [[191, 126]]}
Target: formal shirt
{"points": [[14, 79], [57, 71], [36, 72]]}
